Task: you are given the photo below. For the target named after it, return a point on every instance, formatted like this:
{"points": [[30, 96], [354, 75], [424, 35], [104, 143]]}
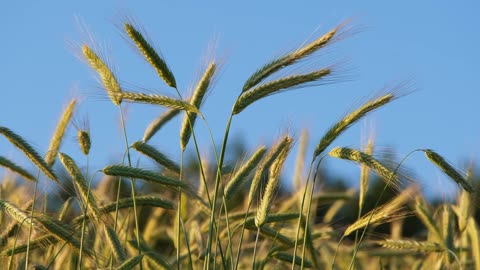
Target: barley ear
{"points": [[106, 75], [412, 245], [288, 59], [196, 100], [152, 57], [349, 120], [158, 123], [448, 233], [84, 141], [300, 162], [240, 176], [448, 169], [29, 151], [6, 163], [59, 133]]}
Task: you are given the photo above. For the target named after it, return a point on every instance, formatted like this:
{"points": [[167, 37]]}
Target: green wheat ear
{"points": [[29, 151], [152, 57]]}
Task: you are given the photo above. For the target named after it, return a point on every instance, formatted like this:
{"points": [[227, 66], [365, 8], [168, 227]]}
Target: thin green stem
{"points": [[132, 183], [255, 248], [85, 210], [300, 216], [215, 194], [30, 227]]}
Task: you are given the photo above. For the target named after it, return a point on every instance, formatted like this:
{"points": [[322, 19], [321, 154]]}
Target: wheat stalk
{"points": [[152, 57], [59, 133], [29, 151]]}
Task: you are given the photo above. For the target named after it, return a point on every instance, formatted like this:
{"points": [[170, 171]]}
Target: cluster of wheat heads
{"points": [[223, 217]]}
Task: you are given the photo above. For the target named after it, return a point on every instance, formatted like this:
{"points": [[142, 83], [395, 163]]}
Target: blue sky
{"points": [[431, 44]]}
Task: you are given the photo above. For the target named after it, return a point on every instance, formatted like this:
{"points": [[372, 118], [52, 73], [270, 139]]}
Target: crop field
{"points": [[215, 213]]}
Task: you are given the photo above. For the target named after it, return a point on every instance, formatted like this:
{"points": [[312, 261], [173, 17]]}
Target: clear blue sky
{"points": [[431, 43]]}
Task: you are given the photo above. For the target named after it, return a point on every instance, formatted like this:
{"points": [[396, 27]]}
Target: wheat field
{"points": [[216, 215]]}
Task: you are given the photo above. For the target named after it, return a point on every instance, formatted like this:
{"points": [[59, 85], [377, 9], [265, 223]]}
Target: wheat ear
{"points": [[272, 185], [156, 155], [114, 242], [240, 176], [196, 100], [288, 59], [266, 163], [425, 215], [34, 244], [106, 75], [364, 177], [159, 100], [367, 160], [149, 176], [349, 120], [131, 263], [29, 151], [158, 123], [59, 133], [81, 185], [448, 169], [4, 162], [412, 245], [84, 141], [273, 87], [152, 57]]}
